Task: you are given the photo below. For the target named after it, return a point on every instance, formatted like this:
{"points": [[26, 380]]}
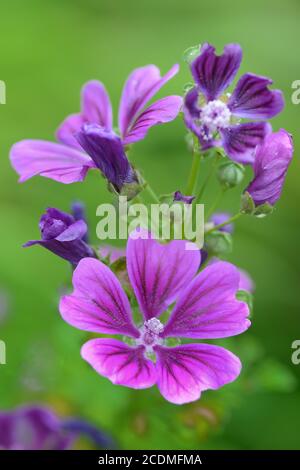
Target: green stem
{"points": [[193, 174], [228, 221], [138, 199], [207, 179], [216, 202], [151, 193]]}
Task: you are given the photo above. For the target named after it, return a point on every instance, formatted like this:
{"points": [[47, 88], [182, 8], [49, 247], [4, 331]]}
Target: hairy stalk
{"points": [[193, 173], [208, 177]]}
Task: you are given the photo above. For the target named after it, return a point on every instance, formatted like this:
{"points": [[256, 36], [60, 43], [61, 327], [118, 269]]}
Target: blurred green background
{"points": [[49, 48]]}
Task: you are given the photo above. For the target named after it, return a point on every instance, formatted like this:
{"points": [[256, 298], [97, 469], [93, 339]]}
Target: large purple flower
{"points": [[272, 160], [87, 140], [63, 235], [214, 117], [206, 308]]}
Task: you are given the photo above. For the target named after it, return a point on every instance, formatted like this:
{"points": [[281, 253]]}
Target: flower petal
{"points": [[191, 103], [272, 160], [95, 109], [120, 363], [96, 105], [68, 129], [246, 282], [55, 161], [185, 371], [208, 307], [239, 141], [106, 150], [98, 302], [161, 111], [253, 100], [212, 73], [158, 272], [77, 230], [140, 87]]}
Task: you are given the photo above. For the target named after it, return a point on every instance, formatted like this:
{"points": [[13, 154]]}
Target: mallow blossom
{"points": [[63, 235], [33, 428], [160, 274], [36, 427], [214, 117], [271, 163], [87, 140]]}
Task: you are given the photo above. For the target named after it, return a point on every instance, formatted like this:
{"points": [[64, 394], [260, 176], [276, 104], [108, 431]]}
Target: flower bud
{"points": [[218, 243], [272, 159], [248, 206], [230, 174], [63, 235], [179, 197]]}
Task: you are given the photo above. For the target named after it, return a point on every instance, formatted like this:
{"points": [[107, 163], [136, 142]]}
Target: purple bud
{"points": [[178, 196], [272, 160], [219, 218], [106, 150], [63, 235]]}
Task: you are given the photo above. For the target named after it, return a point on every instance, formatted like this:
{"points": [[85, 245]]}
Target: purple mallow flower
{"points": [[206, 308], [87, 140], [35, 427], [179, 197], [214, 117], [63, 235], [271, 163]]}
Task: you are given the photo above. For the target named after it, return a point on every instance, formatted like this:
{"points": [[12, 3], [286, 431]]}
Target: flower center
{"points": [[214, 116], [149, 333]]}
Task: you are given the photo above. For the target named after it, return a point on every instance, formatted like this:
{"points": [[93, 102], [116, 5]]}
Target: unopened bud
{"points": [[218, 243], [230, 174]]}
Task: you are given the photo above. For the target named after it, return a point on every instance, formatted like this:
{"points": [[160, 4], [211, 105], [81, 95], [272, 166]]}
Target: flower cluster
{"points": [[160, 298]]}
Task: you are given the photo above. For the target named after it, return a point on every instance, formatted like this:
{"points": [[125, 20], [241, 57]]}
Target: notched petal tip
{"points": [[253, 99], [214, 73]]}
